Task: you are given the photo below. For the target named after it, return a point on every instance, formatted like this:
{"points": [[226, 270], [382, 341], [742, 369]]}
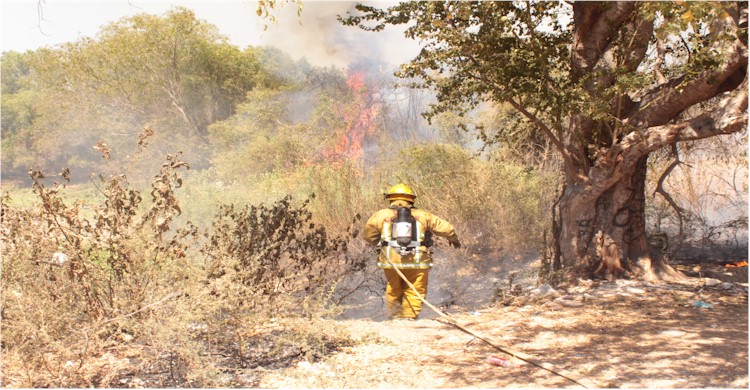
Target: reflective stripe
{"points": [[420, 239], [406, 265], [385, 236]]}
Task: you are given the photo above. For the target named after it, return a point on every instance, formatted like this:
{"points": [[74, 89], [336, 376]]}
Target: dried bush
{"points": [[112, 295], [259, 254], [271, 275], [77, 283]]}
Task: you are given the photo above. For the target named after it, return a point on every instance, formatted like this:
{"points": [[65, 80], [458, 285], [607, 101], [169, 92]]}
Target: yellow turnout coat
{"points": [[427, 223], [401, 301]]}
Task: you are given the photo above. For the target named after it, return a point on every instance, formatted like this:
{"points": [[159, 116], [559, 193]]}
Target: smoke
{"points": [[321, 39]]}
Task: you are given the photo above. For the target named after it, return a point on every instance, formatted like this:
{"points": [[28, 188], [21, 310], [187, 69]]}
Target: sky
{"points": [[318, 37]]}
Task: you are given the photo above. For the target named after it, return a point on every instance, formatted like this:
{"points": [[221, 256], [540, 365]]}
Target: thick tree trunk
{"points": [[603, 235]]}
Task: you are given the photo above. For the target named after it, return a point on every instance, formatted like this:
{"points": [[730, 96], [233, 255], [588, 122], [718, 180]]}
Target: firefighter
{"points": [[404, 235]]}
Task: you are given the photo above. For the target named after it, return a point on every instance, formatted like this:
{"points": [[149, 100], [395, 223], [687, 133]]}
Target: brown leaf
{"points": [[103, 149]]}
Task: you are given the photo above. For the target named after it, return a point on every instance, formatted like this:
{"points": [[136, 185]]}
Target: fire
{"points": [[359, 116], [737, 264]]}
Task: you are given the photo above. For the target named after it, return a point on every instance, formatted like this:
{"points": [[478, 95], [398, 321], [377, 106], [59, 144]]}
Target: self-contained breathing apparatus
{"points": [[405, 235]]}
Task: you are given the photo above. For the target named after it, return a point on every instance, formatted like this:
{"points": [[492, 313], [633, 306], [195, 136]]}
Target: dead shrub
{"points": [[270, 266], [80, 285], [111, 295], [266, 252]]}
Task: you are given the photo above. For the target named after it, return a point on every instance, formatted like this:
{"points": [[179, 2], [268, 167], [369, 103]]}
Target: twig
{"points": [[159, 302]]}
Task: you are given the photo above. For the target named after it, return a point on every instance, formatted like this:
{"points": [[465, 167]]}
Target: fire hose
{"points": [[519, 355]]}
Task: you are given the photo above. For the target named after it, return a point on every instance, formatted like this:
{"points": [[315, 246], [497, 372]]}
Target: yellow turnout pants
{"points": [[401, 301]]}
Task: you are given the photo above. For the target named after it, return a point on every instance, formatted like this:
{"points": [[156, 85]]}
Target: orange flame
{"points": [[359, 117], [737, 264]]}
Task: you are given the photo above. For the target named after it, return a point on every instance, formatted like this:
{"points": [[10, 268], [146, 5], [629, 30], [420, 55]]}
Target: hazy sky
{"points": [[320, 38]]}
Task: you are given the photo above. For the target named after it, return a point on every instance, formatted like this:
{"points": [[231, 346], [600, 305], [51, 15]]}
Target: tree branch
{"points": [[533, 118], [660, 188], [594, 28], [729, 117], [634, 35], [567, 159], [666, 101]]}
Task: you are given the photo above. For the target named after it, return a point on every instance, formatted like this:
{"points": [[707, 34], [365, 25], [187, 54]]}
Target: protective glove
{"points": [[456, 244]]}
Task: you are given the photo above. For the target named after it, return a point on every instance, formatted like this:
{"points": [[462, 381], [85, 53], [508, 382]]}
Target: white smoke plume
{"points": [[320, 38]]}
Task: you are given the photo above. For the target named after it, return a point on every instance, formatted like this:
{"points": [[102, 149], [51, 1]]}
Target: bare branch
{"points": [[159, 302], [659, 62], [660, 188], [40, 16]]}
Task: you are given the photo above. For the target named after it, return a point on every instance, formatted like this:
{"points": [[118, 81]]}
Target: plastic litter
{"points": [[499, 361], [701, 304]]}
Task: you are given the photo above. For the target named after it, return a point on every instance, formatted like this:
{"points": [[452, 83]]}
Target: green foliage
{"points": [[18, 97], [149, 63], [279, 68], [173, 74], [259, 139], [16, 68], [279, 130], [34, 130]]}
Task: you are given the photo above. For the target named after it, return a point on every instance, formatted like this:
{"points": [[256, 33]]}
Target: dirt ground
{"points": [[623, 334]]}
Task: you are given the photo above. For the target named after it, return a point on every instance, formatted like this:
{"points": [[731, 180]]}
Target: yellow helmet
{"points": [[400, 192]]}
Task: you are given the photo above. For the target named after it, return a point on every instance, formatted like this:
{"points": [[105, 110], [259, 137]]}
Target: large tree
{"points": [[607, 83]]}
